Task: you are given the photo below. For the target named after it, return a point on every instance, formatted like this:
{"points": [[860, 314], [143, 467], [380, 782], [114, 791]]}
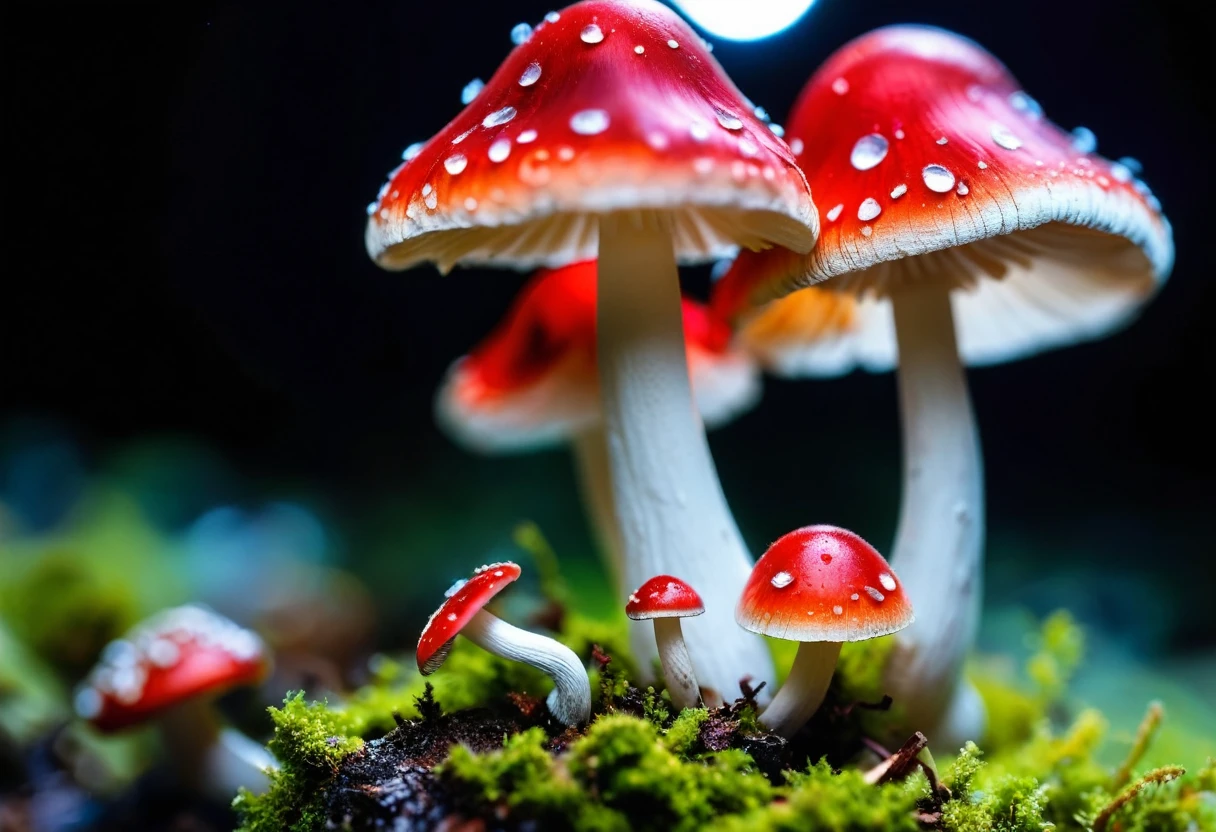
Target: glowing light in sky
{"points": [[743, 19]]}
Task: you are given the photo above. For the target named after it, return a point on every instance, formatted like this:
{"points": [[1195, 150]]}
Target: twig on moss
{"points": [[898, 765], [1144, 736], [1156, 776]]}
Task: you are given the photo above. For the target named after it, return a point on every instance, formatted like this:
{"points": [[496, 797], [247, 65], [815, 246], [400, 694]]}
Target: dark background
{"points": [[183, 256]]}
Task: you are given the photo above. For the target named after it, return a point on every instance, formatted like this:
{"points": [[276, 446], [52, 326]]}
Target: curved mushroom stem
{"points": [[677, 665], [672, 515], [570, 700], [210, 758], [804, 688], [938, 547]]}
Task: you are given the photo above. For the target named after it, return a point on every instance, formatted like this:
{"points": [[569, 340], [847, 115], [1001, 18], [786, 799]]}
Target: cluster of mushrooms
{"points": [[951, 224]]}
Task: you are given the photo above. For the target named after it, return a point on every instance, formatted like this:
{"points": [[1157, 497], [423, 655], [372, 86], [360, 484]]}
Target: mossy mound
{"points": [[479, 749]]}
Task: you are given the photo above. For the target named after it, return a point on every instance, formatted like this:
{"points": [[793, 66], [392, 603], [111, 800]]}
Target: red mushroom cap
{"points": [[533, 382], [610, 105], [465, 600], [822, 583], [664, 596], [928, 162], [179, 654]]}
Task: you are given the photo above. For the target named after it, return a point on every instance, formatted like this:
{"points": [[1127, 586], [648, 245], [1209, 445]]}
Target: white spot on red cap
{"points": [[869, 209], [898, 191], [840, 86], [834, 213], [888, 583]]}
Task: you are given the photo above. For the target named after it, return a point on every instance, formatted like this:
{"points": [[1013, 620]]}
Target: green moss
{"points": [[681, 738], [821, 799]]}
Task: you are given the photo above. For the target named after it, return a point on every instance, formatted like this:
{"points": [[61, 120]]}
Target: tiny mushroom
{"points": [[463, 614], [167, 672], [611, 132], [665, 600], [820, 586], [959, 226], [532, 383]]}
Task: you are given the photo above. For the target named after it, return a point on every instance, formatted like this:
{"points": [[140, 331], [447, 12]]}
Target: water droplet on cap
{"points": [[412, 151], [526, 137], [888, 583], [591, 34], [1022, 102], [869, 209], [455, 163], [937, 178], [520, 33], [840, 86], [898, 191], [834, 213], [589, 122], [782, 579], [729, 120], [869, 151], [531, 75], [1005, 138], [1084, 140], [498, 117], [499, 150], [471, 90]]}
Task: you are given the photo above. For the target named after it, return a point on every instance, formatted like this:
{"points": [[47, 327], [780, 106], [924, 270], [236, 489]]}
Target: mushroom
{"points": [[611, 132], [463, 613], [167, 672], [820, 586], [532, 383], [959, 226], [665, 600]]}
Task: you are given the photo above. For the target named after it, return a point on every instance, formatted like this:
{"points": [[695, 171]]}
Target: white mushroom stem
{"points": [[209, 757], [803, 691], [672, 515], [677, 664], [595, 487], [938, 549], [570, 700]]}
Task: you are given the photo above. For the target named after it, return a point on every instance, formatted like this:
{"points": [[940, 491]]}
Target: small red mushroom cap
{"points": [[177, 655], [532, 382], [823, 583], [929, 162], [664, 596], [610, 106], [465, 599]]}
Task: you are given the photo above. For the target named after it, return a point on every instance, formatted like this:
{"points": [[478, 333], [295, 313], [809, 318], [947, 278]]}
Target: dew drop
{"points": [[463, 135], [674, 44], [521, 33], [88, 703], [899, 134], [869, 151], [854, 597], [866, 231], [1004, 138], [498, 117], [728, 120], [471, 90], [938, 179], [657, 140], [470, 203], [639, 49], [839, 610], [1084, 140], [455, 163], [840, 86], [875, 594], [371, 208], [499, 150], [962, 189], [983, 166], [699, 132], [777, 129], [782, 579], [888, 583], [451, 616], [565, 154], [1120, 172], [796, 147], [1023, 103], [748, 148], [942, 140], [898, 191], [869, 209], [431, 200], [531, 75], [591, 34], [761, 114], [832, 216], [1131, 164], [526, 137], [589, 122], [412, 151], [553, 17], [703, 165]]}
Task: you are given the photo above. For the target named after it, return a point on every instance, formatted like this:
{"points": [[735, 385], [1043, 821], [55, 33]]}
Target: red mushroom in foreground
{"points": [[167, 672], [820, 586], [611, 132], [958, 224], [532, 383], [463, 613], [665, 600]]}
